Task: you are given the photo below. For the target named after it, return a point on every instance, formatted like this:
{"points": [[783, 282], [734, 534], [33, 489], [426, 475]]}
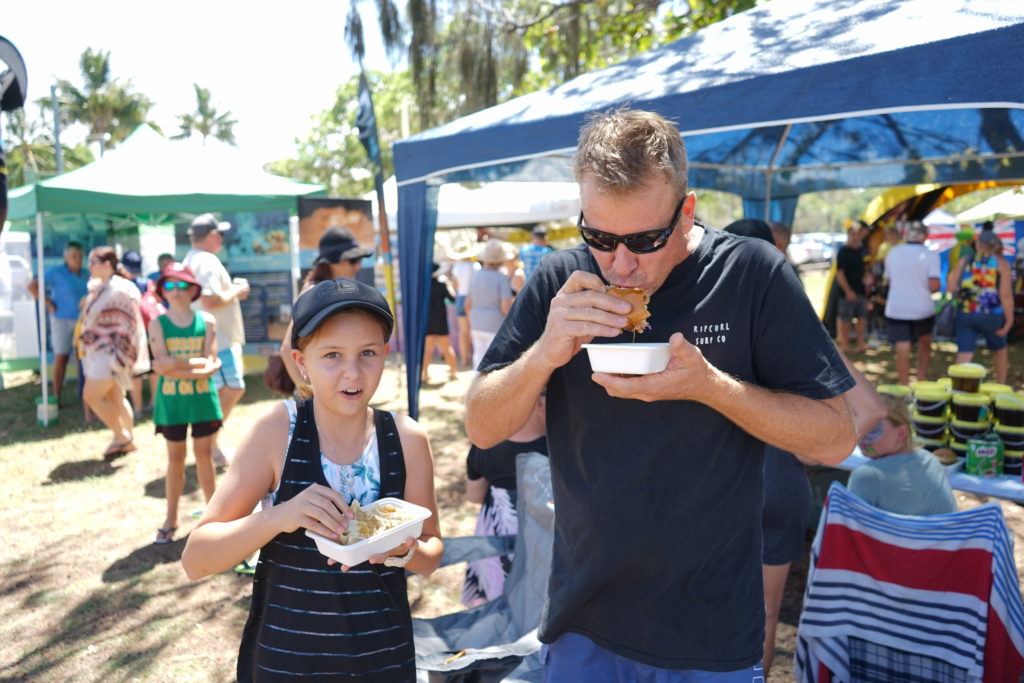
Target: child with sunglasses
{"points": [[899, 477], [184, 343]]}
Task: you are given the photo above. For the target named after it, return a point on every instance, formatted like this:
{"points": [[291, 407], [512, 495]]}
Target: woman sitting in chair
{"points": [[900, 478]]}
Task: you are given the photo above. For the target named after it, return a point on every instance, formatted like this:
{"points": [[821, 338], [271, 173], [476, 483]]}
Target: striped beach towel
{"points": [[904, 598]]}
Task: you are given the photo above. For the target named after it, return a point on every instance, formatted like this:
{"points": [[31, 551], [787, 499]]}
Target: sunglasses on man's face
{"points": [[637, 242], [170, 286]]}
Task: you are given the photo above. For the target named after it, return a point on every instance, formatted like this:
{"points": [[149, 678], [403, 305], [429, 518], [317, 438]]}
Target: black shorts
{"points": [[909, 330], [180, 432]]}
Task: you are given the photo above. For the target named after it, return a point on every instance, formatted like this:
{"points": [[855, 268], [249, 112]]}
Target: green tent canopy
{"points": [[150, 174]]}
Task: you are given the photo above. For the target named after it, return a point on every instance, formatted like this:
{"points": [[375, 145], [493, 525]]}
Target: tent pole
{"points": [[768, 172], [42, 308], [386, 256]]}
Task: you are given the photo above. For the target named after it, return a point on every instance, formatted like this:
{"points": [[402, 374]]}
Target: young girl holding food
{"points": [[308, 462], [184, 344]]}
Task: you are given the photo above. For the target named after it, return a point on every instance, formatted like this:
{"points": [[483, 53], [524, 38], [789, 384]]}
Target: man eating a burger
{"points": [[656, 571]]}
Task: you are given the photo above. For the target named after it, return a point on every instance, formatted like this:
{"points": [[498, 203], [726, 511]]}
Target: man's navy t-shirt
{"points": [[657, 549]]}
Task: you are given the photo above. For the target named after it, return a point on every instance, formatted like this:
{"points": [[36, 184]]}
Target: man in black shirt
{"points": [[658, 478], [853, 304]]}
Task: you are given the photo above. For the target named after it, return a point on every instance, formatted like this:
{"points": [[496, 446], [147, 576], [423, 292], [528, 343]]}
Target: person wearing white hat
{"points": [[490, 298], [220, 296]]}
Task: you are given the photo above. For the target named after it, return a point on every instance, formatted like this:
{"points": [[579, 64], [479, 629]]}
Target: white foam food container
{"points": [[360, 552], [628, 359]]}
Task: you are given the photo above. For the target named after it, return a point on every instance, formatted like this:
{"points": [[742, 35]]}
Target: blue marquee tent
{"points": [[791, 97]]}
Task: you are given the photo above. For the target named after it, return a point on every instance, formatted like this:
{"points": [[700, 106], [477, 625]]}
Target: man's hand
{"points": [[241, 289], [688, 377], [579, 312], [851, 296]]}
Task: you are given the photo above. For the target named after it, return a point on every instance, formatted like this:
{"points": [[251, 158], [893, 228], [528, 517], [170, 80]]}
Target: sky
{"points": [[273, 65]]}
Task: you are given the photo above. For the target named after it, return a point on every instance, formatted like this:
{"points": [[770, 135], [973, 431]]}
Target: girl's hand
{"points": [[398, 551], [318, 508]]}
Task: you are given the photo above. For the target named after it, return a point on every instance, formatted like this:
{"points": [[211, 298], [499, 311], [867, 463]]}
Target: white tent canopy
{"points": [[1006, 205], [492, 204]]}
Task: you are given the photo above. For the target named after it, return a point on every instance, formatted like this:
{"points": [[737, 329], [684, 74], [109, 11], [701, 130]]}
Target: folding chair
{"points": [[497, 641], [904, 598]]}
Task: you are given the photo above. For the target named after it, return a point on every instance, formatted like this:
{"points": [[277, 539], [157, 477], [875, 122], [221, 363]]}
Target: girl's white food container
{"points": [[359, 552]]}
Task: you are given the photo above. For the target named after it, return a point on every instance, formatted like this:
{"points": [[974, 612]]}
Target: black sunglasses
{"points": [[637, 242]]}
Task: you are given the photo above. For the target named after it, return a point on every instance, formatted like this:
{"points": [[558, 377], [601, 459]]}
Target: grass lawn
{"points": [[87, 597]]}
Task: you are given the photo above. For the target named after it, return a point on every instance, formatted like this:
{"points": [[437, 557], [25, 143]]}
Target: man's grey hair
{"points": [[621, 148]]}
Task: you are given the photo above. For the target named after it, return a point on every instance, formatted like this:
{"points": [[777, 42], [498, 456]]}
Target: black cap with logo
{"points": [[331, 296]]}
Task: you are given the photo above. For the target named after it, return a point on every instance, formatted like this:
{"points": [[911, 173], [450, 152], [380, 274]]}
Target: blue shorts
{"points": [[460, 305], [231, 369], [574, 658], [970, 325]]}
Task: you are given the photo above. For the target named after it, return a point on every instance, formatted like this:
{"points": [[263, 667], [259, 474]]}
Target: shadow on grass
{"points": [[156, 489], [143, 559], [101, 616], [80, 469]]}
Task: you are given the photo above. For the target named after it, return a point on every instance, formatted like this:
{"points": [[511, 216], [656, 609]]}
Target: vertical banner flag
{"points": [[366, 122]]}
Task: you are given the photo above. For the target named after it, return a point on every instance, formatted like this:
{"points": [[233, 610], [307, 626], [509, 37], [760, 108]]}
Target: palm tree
{"points": [[206, 121], [30, 150], [108, 107]]}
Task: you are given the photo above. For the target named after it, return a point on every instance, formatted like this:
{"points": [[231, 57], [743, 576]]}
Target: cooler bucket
{"points": [[1009, 410], [928, 427], [960, 432], [932, 403], [967, 377], [971, 407]]}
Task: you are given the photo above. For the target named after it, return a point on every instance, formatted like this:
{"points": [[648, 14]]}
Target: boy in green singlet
{"points": [[184, 343]]}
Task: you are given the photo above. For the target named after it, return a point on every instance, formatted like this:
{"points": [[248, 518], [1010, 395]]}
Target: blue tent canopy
{"points": [[795, 96]]}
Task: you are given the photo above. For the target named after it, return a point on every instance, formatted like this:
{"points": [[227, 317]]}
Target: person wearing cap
{"points": [[339, 255], [913, 272], [184, 344], [132, 262], [899, 477], [220, 296], [490, 297], [982, 287], [66, 285], [658, 478], [532, 253], [352, 454]]}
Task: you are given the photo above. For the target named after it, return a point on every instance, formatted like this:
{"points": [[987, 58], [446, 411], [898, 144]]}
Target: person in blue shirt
{"points": [[65, 286], [533, 252], [899, 477]]}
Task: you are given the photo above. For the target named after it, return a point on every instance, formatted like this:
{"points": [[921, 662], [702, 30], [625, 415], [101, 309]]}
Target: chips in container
{"points": [[363, 540]]}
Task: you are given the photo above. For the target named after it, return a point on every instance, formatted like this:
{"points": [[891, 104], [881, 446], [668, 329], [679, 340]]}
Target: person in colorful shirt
{"points": [[184, 343], [983, 288]]}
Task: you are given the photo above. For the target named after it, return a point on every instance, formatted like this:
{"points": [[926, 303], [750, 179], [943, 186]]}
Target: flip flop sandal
{"points": [[119, 449], [164, 536]]}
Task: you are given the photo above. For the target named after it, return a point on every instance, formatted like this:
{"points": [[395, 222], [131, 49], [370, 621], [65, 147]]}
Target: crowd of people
{"points": [[891, 292], [681, 492]]}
